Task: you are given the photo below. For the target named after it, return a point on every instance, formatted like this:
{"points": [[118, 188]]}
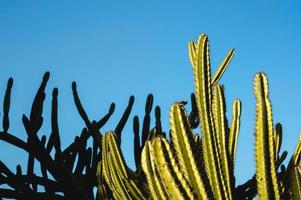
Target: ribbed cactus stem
{"points": [[116, 173], [267, 184], [234, 130], [218, 108], [156, 186], [202, 80], [184, 145]]}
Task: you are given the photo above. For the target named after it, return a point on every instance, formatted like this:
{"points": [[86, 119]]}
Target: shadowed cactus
{"points": [[182, 165]]}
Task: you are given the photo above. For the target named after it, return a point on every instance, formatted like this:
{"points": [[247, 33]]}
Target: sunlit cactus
{"points": [[195, 160], [201, 166]]}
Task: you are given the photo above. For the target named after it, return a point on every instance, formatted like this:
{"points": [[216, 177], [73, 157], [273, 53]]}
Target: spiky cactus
{"points": [[185, 165], [201, 166], [265, 150]]}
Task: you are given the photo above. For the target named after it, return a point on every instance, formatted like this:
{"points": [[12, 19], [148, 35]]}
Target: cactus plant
{"points": [[181, 165], [201, 166]]}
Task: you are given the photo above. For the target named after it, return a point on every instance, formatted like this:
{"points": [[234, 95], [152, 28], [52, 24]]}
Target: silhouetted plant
{"points": [[185, 166], [72, 178]]}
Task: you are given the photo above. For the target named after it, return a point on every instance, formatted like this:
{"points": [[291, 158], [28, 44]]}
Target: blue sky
{"points": [[114, 49]]}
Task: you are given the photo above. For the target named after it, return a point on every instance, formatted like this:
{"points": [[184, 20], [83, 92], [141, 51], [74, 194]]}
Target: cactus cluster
{"points": [[189, 165], [182, 164]]}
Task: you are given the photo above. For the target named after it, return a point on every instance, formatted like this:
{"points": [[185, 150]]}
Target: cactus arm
{"points": [[100, 189], [278, 139], [138, 189], [111, 176], [264, 146], [295, 182], [193, 116], [202, 82], [115, 154], [183, 142], [297, 153], [158, 179], [6, 105], [175, 184], [220, 127], [119, 188], [296, 157], [117, 174], [203, 98], [127, 182], [137, 148], [158, 120], [222, 68], [105, 167], [147, 163], [146, 120], [124, 118], [192, 53], [234, 130], [135, 190], [293, 173]]}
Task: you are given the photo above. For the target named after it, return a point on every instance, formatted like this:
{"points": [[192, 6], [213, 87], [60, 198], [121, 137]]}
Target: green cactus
{"points": [[212, 117], [292, 180], [233, 133], [265, 151], [182, 140], [200, 166], [121, 180], [175, 186]]}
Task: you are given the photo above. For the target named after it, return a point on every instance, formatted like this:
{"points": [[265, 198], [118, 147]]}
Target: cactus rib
{"points": [[116, 173], [234, 130], [203, 97], [222, 68], [183, 143], [264, 150], [220, 127]]}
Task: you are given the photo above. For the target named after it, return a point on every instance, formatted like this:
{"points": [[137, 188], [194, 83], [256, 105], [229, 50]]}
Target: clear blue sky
{"points": [[114, 49]]}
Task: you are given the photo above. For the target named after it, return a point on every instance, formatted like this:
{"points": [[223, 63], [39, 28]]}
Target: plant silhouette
{"points": [[182, 166]]}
